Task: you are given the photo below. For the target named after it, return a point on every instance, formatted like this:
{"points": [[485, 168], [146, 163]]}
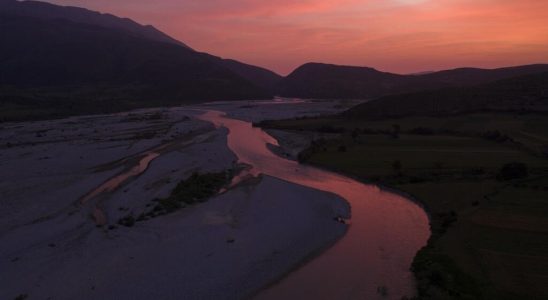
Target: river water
{"points": [[372, 260]]}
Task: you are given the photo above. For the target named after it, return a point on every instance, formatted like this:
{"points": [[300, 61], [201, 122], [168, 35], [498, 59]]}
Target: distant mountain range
{"points": [[57, 61], [521, 94], [324, 81]]}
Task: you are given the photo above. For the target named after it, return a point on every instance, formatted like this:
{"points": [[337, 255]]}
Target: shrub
{"points": [[396, 131], [422, 131], [141, 217], [170, 204], [331, 129], [127, 221], [314, 147], [544, 151], [495, 136], [355, 134], [397, 165], [382, 290], [196, 188], [514, 170]]}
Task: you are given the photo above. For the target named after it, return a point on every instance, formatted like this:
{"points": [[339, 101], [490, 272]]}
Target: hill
{"points": [[324, 81], [58, 61], [528, 93]]}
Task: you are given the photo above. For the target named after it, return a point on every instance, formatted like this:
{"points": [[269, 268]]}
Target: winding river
{"points": [[372, 260]]}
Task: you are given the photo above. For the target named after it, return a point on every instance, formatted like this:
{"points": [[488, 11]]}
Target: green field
{"points": [[374, 155], [530, 130], [489, 236]]}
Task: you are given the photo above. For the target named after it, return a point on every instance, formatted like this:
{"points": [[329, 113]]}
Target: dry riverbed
{"points": [[57, 174]]}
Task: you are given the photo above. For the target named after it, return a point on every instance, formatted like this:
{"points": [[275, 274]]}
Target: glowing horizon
{"points": [[401, 36]]}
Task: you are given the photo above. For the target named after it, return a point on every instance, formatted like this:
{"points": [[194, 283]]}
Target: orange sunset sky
{"points": [[401, 36]]}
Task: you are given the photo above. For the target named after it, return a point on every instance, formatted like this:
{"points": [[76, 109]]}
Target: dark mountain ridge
{"points": [[67, 66], [325, 81], [521, 94], [475, 76], [72, 53], [262, 77], [68, 60], [49, 11]]}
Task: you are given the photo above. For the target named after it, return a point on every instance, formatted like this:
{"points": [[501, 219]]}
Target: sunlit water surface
{"points": [[386, 230]]}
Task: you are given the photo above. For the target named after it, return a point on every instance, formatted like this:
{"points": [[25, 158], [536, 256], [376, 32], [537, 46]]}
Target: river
{"points": [[372, 260]]}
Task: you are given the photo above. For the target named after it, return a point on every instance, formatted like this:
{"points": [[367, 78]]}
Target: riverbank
{"points": [[228, 247], [488, 236], [372, 260]]}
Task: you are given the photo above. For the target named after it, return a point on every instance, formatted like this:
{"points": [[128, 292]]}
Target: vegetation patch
{"points": [[483, 178], [438, 277], [195, 189]]}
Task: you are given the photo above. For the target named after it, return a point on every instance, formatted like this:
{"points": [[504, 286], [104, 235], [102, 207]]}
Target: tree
{"points": [[544, 150], [513, 170], [396, 131], [355, 134], [397, 166]]}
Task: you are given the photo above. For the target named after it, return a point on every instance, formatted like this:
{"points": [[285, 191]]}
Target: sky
{"points": [[401, 36]]}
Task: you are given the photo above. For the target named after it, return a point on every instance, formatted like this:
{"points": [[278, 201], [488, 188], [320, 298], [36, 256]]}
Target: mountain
{"points": [[526, 93], [57, 61], [49, 11], [43, 53], [264, 78], [475, 76], [324, 81]]}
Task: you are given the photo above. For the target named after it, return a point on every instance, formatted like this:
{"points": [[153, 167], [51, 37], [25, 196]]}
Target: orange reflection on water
{"points": [[113, 183], [385, 233]]}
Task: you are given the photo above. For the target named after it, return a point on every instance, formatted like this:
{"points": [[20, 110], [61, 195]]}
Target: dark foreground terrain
{"points": [[483, 178]]}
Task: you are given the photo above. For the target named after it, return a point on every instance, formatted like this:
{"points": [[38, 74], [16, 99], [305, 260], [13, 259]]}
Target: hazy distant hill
{"points": [[475, 76], [57, 61], [526, 93], [325, 81]]}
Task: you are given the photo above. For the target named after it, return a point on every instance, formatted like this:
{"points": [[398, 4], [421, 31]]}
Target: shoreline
{"points": [[303, 220], [288, 147], [199, 238], [467, 210], [283, 149], [308, 258]]}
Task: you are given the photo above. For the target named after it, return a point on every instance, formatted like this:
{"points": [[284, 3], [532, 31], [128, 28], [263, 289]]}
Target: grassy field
{"points": [[374, 155], [489, 236], [530, 130]]}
